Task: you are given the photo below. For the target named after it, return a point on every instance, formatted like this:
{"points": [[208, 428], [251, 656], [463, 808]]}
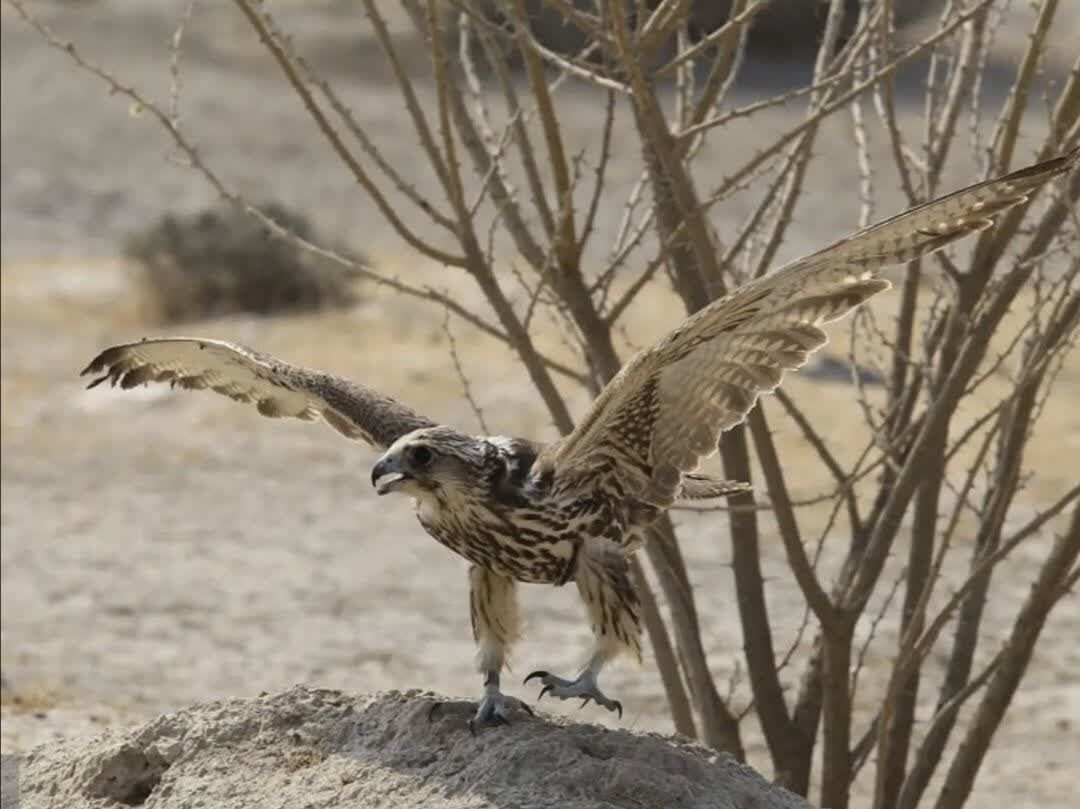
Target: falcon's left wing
{"points": [[664, 412], [276, 388]]}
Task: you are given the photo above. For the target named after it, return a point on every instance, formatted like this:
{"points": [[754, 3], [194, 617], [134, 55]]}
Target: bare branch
{"points": [[408, 190], [1008, 127], [174, 63], [466, 387], [666, 662], [726, 31], [828, 109], [785, 518], [1014, 661], [260, 21]]}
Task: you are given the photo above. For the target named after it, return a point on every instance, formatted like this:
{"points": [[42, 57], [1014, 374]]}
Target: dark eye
{"points": [[420, 456]]}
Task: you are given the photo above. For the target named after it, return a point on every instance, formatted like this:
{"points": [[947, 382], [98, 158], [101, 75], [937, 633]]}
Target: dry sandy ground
{"points": [[324, 750], [161, 549]]}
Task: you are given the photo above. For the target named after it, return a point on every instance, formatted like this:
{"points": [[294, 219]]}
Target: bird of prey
{"points": [[574, 510]]}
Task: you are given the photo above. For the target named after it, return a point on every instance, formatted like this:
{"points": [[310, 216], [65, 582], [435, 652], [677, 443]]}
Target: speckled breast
{"points": [[517, 550]]}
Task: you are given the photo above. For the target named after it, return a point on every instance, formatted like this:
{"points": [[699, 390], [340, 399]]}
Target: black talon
{"points": [[472, 728], [525, 707], [585, 691]]}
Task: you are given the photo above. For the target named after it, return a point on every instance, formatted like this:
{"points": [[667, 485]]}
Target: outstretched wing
{"points": [[276, 388], [664, 412]]}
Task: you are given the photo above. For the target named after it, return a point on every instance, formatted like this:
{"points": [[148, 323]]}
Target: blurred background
{"points": [[159, 549]]}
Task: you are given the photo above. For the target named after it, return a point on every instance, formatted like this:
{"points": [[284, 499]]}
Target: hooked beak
{"points": [[387, 476]]}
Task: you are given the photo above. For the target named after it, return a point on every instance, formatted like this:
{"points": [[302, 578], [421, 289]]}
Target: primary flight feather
{"points": [[574, 510]]}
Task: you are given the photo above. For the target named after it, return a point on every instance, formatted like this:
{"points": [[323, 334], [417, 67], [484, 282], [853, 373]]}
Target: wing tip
{"points": [[1039, 174], [108, 361], [101, 362]]}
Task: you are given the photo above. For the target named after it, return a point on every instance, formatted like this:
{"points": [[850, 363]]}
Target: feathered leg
{"points": [[602, 574], [493, 609]]}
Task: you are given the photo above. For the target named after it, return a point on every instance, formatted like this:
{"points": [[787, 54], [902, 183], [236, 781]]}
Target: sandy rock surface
{"points": [[161, 549], [320, 748]]}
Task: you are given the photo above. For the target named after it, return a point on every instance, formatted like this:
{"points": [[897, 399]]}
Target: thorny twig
{"points": [[466, 387]]}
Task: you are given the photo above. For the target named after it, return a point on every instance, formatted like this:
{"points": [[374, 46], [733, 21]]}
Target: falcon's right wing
{"points": [[276, 388], [664, 412]]}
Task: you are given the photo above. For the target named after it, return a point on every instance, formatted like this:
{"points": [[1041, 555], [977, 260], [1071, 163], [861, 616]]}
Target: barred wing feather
{"points": [[276, 388], [665, 411]]}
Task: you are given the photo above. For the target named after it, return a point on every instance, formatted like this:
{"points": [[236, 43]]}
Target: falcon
{"points": [[574, 510]]}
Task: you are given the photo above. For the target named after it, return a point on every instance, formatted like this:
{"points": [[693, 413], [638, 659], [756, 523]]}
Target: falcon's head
{"points": [[424, 461]]}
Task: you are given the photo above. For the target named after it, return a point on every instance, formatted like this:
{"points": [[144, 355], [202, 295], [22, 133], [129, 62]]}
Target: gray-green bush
{"points": [[221, 261]]}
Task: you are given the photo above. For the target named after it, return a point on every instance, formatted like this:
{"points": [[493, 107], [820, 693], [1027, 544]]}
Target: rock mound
{"points": [[314, 749]]}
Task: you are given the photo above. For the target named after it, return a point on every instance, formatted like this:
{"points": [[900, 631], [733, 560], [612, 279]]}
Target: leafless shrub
{"points": [[783, 27], [220, 261], [966, 382]]}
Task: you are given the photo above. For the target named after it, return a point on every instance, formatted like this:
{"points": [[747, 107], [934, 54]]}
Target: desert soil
{"points": [[322, 749], [163, 549]]}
